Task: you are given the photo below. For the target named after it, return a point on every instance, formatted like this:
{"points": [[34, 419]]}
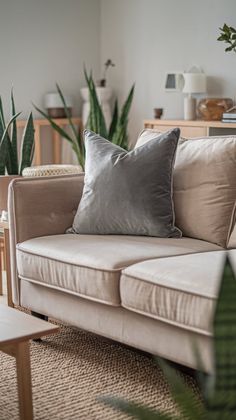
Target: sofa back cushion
{"points": [[204, 186]]}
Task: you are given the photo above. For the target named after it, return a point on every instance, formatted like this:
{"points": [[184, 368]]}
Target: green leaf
{"points": [[27, 144], [114, 121], [14, 153], [81, 148], [126, 107], [120, 136], [74, 142], [2, 151], [4, 145], [78, 141], [56, 127], [78, 144], [3, 154], [2, 119], [187, 402], [226, 28], [223, 37], [8, 163], [224, 391], [96, 120], [135, 410], [67, 112]]}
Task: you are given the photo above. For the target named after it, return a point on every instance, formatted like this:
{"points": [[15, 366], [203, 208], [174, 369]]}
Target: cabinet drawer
{"points": [[190, 132], [187, 132]]}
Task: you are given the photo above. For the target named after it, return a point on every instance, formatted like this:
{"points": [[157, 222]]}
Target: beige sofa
{"points": [[154, 294]]}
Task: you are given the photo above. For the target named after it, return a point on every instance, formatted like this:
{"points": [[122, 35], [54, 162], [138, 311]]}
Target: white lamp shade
{"points": [[53, 100], [194, 83]]}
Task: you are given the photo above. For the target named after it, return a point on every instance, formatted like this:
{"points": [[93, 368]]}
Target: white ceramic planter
{"points": [[104, 96]]}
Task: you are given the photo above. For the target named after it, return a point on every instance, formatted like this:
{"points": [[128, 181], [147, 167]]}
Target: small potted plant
{"points": [[10, 165], [228, 35], [102, 82]]}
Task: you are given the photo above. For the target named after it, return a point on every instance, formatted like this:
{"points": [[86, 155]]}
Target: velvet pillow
{"points": [[128, 193]]}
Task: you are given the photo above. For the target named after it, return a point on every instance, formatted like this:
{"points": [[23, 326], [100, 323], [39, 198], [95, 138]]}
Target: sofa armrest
{"points": [[40, 207]]}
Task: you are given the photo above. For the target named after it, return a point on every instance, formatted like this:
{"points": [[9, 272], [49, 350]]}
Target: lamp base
{"points": [[189, 108]]}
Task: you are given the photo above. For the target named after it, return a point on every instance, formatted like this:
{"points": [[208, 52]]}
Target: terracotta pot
{"points": [[4, 183], [58, 112]]}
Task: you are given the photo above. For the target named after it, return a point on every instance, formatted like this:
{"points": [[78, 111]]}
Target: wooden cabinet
{"points": [[192, 129], [56, 138]]}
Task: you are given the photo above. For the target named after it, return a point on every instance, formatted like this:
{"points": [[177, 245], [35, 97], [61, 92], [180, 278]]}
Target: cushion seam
{"points": [[167, 321], [71, 292], [116, 270], [137, 278]]}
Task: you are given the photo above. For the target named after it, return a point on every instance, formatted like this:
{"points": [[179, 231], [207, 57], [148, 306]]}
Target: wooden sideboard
{"points": [[56, 138], [195, 128]]}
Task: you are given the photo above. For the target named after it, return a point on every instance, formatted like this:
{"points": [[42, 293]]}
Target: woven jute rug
{"points": [[71, 369]]}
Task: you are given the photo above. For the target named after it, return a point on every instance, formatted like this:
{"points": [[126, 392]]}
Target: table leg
{"points": [[37, 145], [8, 267], [24, 380], [56, 138]]}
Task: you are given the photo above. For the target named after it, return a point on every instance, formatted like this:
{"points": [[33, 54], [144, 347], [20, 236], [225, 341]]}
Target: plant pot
{"points": [[4, 183], [54, 105], [58, 112]]}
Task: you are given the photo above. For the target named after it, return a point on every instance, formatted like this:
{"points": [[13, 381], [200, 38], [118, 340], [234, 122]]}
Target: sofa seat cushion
{"points": [[178, 290], [90, 265]]}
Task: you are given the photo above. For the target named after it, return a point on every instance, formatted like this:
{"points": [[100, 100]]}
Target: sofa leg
{"points": [[40, 316]]}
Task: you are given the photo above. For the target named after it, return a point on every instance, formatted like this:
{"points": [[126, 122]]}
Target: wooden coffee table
{"points": [[16, 331], [5, 250]]}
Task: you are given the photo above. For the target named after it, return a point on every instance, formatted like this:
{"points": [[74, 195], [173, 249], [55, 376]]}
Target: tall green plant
{"points": [[117, 132], [9, 142], [219, 391], [75, 137]]}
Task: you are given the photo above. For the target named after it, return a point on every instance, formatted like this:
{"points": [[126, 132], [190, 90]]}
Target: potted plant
{"points": [[116, 132], [10, 165], [228, 35], [104, 95]]}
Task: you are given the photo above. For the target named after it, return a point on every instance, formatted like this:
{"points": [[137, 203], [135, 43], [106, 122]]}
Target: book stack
{"points": [[230, 115]]}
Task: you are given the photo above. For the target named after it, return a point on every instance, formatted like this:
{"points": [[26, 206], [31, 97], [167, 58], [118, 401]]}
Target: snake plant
{"points": [[9, 162], [117, 132], [219, 391]]}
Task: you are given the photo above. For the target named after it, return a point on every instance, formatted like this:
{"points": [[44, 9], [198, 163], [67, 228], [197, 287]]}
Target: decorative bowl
{"points": [[212, 109]]}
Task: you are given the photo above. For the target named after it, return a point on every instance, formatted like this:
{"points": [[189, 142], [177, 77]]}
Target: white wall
{"points": [[44, 41], [147, 38]]}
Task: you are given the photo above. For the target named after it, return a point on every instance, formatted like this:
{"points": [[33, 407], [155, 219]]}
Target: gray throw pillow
{"points": [[128, 193]]}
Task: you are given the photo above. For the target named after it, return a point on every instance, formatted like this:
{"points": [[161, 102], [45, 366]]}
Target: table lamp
{"points": [[193, 83]]}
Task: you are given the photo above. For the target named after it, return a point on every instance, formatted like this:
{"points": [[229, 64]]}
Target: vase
{"points": [[212, 109], [104, 95], [55, 107]]}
